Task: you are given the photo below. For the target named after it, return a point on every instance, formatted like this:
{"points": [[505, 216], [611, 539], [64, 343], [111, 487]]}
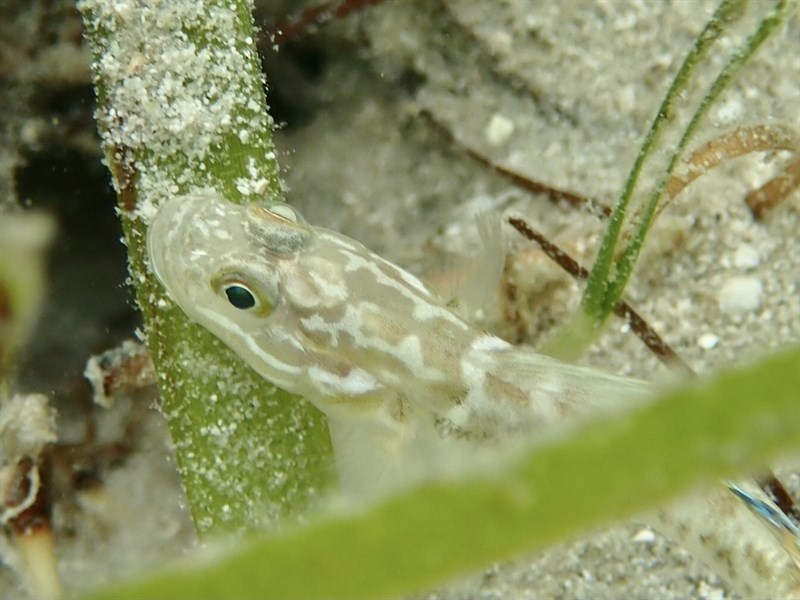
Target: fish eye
{"points": [[240, 296], [243, 291]]}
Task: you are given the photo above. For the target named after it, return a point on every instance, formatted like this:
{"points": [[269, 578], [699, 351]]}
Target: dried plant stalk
{"points": [[742, 141]]}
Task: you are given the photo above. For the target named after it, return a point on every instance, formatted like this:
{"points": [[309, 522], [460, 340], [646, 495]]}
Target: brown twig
{"points": [[775, 191], [742, 141], [638, 325], [555, 195], [302, 22]]}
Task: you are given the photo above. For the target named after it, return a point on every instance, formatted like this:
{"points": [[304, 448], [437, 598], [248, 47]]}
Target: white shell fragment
{"points": [[644, 536], [499, 129], [707, 341], [746, 257], [740, 295]]}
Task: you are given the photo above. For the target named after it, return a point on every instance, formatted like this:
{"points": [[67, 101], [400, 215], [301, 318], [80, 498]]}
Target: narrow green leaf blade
{"points": [[694, 435]]}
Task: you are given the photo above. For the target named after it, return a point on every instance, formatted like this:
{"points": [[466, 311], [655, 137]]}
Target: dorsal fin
{"points": [[466, 283]]}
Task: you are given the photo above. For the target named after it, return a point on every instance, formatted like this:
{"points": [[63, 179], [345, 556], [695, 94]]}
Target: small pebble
{"points": [[740, 295], [501, 40], [707, 341], [499, 129], [746, 257], [710, 592], [645, 536]]}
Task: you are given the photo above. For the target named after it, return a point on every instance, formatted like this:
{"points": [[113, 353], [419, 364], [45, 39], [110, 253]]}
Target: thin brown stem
{"points": [[638, 325], [775, 191], [742, 141], [553, 194], [302, 22]]}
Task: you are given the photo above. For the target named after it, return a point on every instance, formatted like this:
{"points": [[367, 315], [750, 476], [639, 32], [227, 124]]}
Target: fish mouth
{"points": [[166, 238], [188, 240]]}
